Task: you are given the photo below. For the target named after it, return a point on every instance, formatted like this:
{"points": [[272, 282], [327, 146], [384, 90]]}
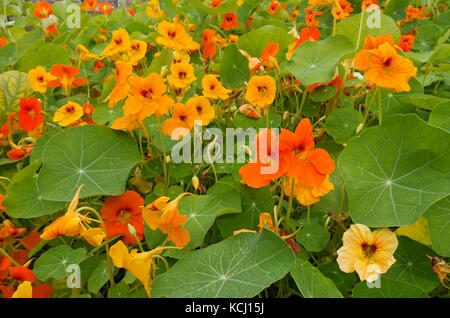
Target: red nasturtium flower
{"points": [[210, 50], [119, 211], [406, 42], [51, 29], [3, 41], [42, 9], [16, 154], [65, 77], [230, 21], [89, 5], [105, 8], [30, 115]]}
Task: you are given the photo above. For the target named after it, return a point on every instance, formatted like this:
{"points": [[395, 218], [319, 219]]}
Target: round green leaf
{"points": [[438, 216], [323, 93], [315, 61], [45, 56], [395, 171], [387, 289], [54, 262], [350, 27], [440, 116], [313, 237], [98, 157], [412, 265], [23, 199], [312, 283], [343, 123], [234, 69], [239, 266]]}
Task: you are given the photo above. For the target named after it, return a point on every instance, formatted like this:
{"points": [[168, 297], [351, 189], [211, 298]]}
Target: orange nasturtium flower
{"points": [[180, 57], [42, 10], [8, 233], [68, 114], [229, 21], [153, 10], [306, 34], [124, 70], [65, 77], [267, 166], [51, 29], [368, 253], [318, 3], [300, 159], [3, 41], [406, 42], [30, 115], [384, 67], [90, 5], [137, 51], [210, 50], [307, 195], [120, 43], [213, 88], [181, 122], [142, 265], [165, 216], [105, 8], [174, 36], [205, 112], [130, 123], [73, 223], [341, 11], [261, 90], [181, 75], [146, 94], [266, 219], [268, 57], [85, 55], [367, 3], [39, 79], [119, 211], [415, 13]]}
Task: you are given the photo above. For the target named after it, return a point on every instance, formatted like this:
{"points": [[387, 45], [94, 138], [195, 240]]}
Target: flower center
{"points": [[199, 109], [212, 87], [124, 216], [262, 90], [148, 93], [182, 75], [32, 113], [70, 109], [172, 34], [388, 62], [368, 249], [183, 118]]}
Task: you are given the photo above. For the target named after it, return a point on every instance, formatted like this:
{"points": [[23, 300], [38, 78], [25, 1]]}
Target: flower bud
{"points": [[132, 230], [195, 182]]}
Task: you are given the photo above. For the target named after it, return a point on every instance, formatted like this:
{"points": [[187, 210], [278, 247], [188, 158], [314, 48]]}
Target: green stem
{"points": [[291, 199], [161, 136], [2, 251], [360, 30], [308, 214], [380, 113]]}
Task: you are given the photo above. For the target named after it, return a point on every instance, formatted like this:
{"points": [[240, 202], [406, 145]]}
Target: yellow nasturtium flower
{"points": [[368, 253], [68, 114], [39, 79], [24, 290]]}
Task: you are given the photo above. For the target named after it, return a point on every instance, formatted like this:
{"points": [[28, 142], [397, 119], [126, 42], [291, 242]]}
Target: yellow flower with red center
{"points": [[85, 54], [180, 57], [146, 93], [24, 290], [368, 253], [153, 10], [39, 79], [68, 114], [137, 51], [213, 88], [384, 67], [205, 112], [181, 122], [181, 75], [261, 90], [174, 36], [120, 43]]}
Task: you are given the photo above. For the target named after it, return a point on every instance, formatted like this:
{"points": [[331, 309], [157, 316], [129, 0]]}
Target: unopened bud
{"points": [[195, 182], [132, 230], [168, 159], [247, 150], [233, 108], [163, 70], [359, 128], [285, 115]]}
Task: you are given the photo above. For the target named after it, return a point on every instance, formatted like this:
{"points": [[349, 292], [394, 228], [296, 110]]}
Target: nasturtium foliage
{"points": [[239, 266], [234, 69], [395, 171], [386, 288], [343, 124], [55, 262], [312, 283], [24, 199], [13, 86], [315, 62], [96, 157], [438, 216]]}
